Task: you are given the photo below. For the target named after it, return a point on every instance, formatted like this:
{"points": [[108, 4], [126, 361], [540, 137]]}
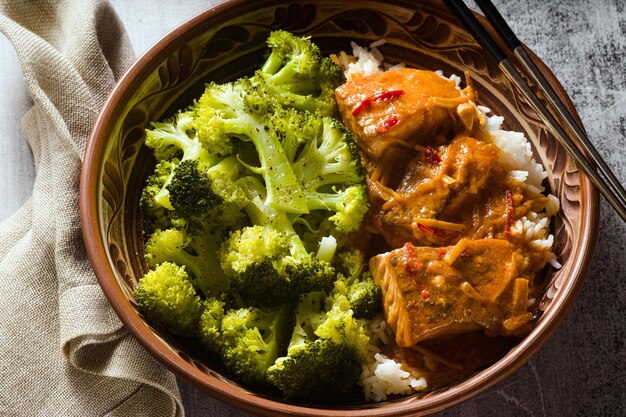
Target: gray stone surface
{"points": [[581, 370]]}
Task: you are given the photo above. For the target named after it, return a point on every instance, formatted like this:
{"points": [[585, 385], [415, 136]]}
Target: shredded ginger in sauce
{"points": [[442, 210]]}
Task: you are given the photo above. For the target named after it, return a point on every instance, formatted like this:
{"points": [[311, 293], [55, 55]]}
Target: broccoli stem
{"points": [[323, 201], [273, 63], [228, 168], [283, 189], [173, 134], [263, 215]]}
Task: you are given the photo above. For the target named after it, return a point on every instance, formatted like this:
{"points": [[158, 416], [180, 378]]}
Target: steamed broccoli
{"points": [[198, 253], [167, 298], [358, 287], [251, 340], [326, 161], [267, 262], [176, 137], [254, 189], [235, 110], [210, 326], [296, 74], [325, 353], [209, 199], [363, 295], [191, 190], [175, 140], [158, 215]]}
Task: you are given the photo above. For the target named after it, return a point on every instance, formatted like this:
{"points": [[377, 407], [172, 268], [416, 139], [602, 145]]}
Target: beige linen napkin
{"points": [[63, 351]]}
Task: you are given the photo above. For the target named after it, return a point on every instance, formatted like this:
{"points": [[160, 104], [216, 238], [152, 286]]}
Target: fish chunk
{"points": [[474, 285], [418, 111], [443, 184]]}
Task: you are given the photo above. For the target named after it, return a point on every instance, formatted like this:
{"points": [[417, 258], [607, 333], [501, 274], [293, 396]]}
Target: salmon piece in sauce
{"points": [[432, 292], [403, 105], [442, 210], [444, 184]]}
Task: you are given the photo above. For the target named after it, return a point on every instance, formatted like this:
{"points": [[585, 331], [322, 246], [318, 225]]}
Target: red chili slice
{"points": [[382, 96], [362, 106], [432, 155], [388, 123], [510, 211], [425, 294], [386, 95], [431, 230], [425, 229]]}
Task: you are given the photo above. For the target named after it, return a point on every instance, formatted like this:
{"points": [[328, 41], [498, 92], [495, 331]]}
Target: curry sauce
{"points": [[442, 209]]}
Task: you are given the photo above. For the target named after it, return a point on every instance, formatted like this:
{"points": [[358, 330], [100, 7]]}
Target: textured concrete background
{"points": [[581, 370]]}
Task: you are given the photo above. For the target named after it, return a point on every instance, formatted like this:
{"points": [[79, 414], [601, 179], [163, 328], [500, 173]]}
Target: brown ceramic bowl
{"points": [[227, 42]]}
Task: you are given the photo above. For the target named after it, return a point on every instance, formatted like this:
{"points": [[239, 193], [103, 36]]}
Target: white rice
{"points": [[517, 157], [516, 152], [368, 62], [382, 376]]}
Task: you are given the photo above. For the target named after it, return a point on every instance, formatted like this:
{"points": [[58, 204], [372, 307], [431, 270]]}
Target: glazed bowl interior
{"points": [[228, 42]]}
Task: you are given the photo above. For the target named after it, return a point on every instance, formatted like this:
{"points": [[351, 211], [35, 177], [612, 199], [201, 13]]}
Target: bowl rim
{"points": [[479, 382]]}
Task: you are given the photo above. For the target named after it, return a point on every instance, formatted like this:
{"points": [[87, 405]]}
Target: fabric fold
{"points": [[63, 351]]}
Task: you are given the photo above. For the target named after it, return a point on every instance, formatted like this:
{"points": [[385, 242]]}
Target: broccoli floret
{"points": [[267, 262], [351, 263], [249, 256], [176, 137], [235, 110], [198, 253], [251, 341], [210, 329], [366, 298], [157, 215], [268, 268], [355, 283], [167, 298], [325, 353], [191, 191], [363, 295], [208, 197], [326, 161], [255, 186], [296, 74]]}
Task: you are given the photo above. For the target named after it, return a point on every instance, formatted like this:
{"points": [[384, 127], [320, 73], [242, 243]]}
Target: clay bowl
{"points": [[227, 42]]}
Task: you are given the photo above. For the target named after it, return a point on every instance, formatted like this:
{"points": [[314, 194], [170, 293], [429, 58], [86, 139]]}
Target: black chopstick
{"points": [[604, 180], [503, 29]]}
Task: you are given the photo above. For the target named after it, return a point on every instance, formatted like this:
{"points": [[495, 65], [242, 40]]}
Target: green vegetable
{"points": [[363, 294], [158, 214], [210, 326], [167, 298], [235, 109], [267, 262], [326, 161], [325, 354], [296, 74], [251, 341], [254, 189], [197, 253]]}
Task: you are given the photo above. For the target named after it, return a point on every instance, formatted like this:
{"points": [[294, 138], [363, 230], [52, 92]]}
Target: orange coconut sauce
{"points": [[457, 285]]}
